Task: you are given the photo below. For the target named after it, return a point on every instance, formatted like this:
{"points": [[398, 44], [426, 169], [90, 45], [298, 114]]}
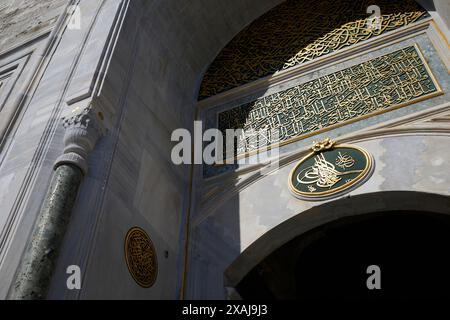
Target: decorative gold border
{"points": [[438, 92], [354, 182], [127, 238]]}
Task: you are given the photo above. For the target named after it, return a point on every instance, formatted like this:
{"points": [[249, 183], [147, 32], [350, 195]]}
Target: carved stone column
{"points": [[34, 275]]}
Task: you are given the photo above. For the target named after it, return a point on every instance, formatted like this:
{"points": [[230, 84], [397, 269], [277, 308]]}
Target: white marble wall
{"points": [[23, 20], [149, 89]]}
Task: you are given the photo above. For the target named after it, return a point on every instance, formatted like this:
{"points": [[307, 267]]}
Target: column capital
{"points": [[82, 130]]}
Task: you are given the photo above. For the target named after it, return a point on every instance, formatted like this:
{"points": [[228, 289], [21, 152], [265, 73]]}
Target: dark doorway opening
{"points": [[331, 261]]}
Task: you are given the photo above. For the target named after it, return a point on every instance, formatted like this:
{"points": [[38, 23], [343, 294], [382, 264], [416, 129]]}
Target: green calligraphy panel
{"points": [[392, 80]]}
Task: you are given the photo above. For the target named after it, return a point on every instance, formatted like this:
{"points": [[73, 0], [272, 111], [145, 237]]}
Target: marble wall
{"points": [[150, 86], [143, 70], [23, 20]]}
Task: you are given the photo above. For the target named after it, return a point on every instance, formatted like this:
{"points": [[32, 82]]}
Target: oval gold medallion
{"points": [[140, 255], [329, 170]]}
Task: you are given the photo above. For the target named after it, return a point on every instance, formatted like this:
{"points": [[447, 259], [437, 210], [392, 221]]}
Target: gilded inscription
{"points": [[141, 258], [295, 32], [365, 89], [330, 171]]}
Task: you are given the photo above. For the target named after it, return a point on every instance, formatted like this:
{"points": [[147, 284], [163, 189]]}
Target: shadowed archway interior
{"points": [[411, 249]]}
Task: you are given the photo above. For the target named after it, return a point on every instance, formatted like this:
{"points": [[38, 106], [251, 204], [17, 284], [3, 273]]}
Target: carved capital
{"points": [[82, 130]]}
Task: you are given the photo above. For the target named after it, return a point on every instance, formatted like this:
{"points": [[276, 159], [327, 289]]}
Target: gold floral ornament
{"points": [[140, 256], [323, 145], [329, 170]]}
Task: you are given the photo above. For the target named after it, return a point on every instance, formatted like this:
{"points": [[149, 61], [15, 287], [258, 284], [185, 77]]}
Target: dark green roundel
{"points": [[329, 172]]}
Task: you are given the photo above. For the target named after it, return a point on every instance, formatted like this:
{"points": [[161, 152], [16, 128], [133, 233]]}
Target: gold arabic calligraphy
{"points": [[141, 258], [344, 161], [323, 173], [372, 86], [292, 34]]}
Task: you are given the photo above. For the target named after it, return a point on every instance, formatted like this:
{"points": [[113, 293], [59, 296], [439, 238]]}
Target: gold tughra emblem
{"points": [[140, 256], [329, 170]]}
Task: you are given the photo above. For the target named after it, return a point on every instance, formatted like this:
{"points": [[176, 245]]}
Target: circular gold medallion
{"points": [[140, 255], [330, 171]]}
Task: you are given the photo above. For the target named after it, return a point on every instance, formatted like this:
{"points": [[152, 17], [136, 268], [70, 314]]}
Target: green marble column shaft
{"points": [[39, 259]]}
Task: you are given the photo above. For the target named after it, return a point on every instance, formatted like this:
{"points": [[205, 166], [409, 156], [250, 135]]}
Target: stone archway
{"points": [[324, 252]]}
